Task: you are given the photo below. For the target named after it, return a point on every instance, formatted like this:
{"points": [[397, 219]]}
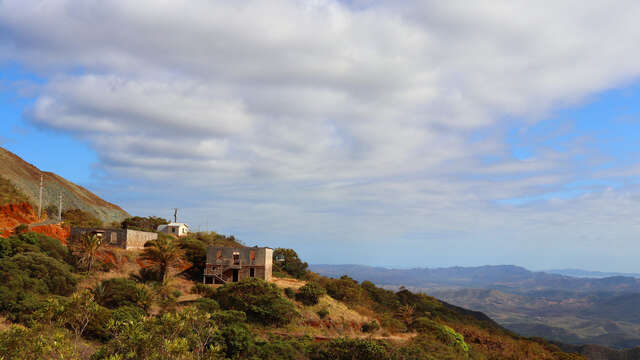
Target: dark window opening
{"points": [[235, 275], [236, 259], [252, 272]]}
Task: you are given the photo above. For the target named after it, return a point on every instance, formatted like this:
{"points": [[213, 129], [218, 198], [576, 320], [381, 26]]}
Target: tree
{"points": [[150, 223], [80, 218], [78, 313], [87, 249], [287, 261], [260, 300], [406, 313], [164, 253]]}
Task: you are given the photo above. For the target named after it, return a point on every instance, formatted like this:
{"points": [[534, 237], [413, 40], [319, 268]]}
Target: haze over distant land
{"points": [[405, 134]]}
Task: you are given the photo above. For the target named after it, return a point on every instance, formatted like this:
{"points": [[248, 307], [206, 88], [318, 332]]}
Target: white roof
{"points": [[177, 224]]}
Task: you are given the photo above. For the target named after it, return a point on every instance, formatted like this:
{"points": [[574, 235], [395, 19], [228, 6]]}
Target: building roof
{"points": [[161, 227], [177, 224]]}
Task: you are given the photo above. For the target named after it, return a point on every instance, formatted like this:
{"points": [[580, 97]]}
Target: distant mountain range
{"points": [[589, 274], [26, 178], [575, 310], [501, 277]]}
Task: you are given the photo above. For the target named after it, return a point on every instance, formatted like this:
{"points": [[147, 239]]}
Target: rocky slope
{"points": [[26, 178]]}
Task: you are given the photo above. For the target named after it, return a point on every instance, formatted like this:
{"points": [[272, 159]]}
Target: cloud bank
{"points": [[307, 123]]}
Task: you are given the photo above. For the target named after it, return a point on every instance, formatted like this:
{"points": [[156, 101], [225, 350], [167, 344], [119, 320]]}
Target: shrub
{"points": [[207, 305], [80, 218], [349, 349], [21, 229], [261, 301], [323, 313], [204, 290], [18, 342], [127, 313], [423, 325], [36, 272], [345, 289], [371, 326], [310, 294], [290, 292], [117, 292], [150, 223], [287, 261], [185, 334]]}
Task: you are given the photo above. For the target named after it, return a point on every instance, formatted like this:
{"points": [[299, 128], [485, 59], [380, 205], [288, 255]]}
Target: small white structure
{"points": [[177, 229]]}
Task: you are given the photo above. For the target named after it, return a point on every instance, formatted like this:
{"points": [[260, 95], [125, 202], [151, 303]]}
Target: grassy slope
{"points": [[9, 194]]}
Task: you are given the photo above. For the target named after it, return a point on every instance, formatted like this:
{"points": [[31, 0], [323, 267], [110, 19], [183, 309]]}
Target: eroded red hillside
{"points": [[12, 215]]}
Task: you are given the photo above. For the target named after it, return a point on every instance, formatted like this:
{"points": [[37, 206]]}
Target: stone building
{"points": [[177, 229], [122, 238], [232, 264]]}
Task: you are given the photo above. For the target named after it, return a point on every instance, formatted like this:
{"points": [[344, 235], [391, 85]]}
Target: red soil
{"points": [[12, 215], [55, 231]]}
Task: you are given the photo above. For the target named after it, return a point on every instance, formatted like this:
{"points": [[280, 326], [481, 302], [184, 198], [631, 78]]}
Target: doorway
{"points": [[235, 275]]}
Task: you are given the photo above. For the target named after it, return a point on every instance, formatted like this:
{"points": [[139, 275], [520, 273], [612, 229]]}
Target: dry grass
{"points": [[4, 323], [288, 283]]}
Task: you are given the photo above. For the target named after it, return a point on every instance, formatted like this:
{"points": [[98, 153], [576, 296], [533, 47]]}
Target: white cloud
{"points": [[288, 108]]}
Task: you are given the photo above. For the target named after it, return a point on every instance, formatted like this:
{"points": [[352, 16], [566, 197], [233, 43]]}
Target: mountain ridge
{"points": [[26, 178]]}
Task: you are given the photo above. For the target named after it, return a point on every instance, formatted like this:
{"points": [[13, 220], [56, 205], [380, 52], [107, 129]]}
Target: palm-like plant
{"points": [[87, 249], [164, 253]]}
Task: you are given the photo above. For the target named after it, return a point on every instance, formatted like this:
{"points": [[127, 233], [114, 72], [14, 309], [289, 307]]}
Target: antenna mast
{"points": [[40, 199], [175, 215], [60, 208]]}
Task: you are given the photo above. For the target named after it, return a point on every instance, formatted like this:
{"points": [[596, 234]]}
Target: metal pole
{"points": [[40, 199], [60, 208]]}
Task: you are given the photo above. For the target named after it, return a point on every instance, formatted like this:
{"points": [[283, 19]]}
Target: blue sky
{"points": [[469, 134]]}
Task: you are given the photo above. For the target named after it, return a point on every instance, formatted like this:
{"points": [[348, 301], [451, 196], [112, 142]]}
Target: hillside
{"points": [[123, 311], [601, 311], [26, 179]]}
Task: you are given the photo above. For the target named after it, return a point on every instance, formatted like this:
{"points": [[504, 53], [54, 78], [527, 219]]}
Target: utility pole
{"points": [[60, 208], [175, 215], [40, 199]]}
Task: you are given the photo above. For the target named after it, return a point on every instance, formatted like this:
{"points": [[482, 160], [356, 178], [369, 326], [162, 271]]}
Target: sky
{"points": [[398, 134]]}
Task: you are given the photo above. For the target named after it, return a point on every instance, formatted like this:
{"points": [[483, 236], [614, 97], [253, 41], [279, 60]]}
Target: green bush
{"points": [[207, 305], [345, 289], [370, 327], [261, 301], [423, 325], [281, 349], [36, 272], [34, 242], [19, 342], [127, 313], [290, 292], [204, 290], [287, 261], [323, 313], [117, 292], [310, 293], [21, 229], [150, 223], [349, 349], [80, 218]]}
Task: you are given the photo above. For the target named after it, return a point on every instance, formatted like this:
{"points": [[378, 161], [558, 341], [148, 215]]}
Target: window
{"points": [[173, 229], [236, 258], [219, 254], [252, 257], [114, 237], [252, 272]]}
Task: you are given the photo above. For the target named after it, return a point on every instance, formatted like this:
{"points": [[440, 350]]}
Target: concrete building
{"points": [[177, 229], [122, 238], [232, 264]]}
